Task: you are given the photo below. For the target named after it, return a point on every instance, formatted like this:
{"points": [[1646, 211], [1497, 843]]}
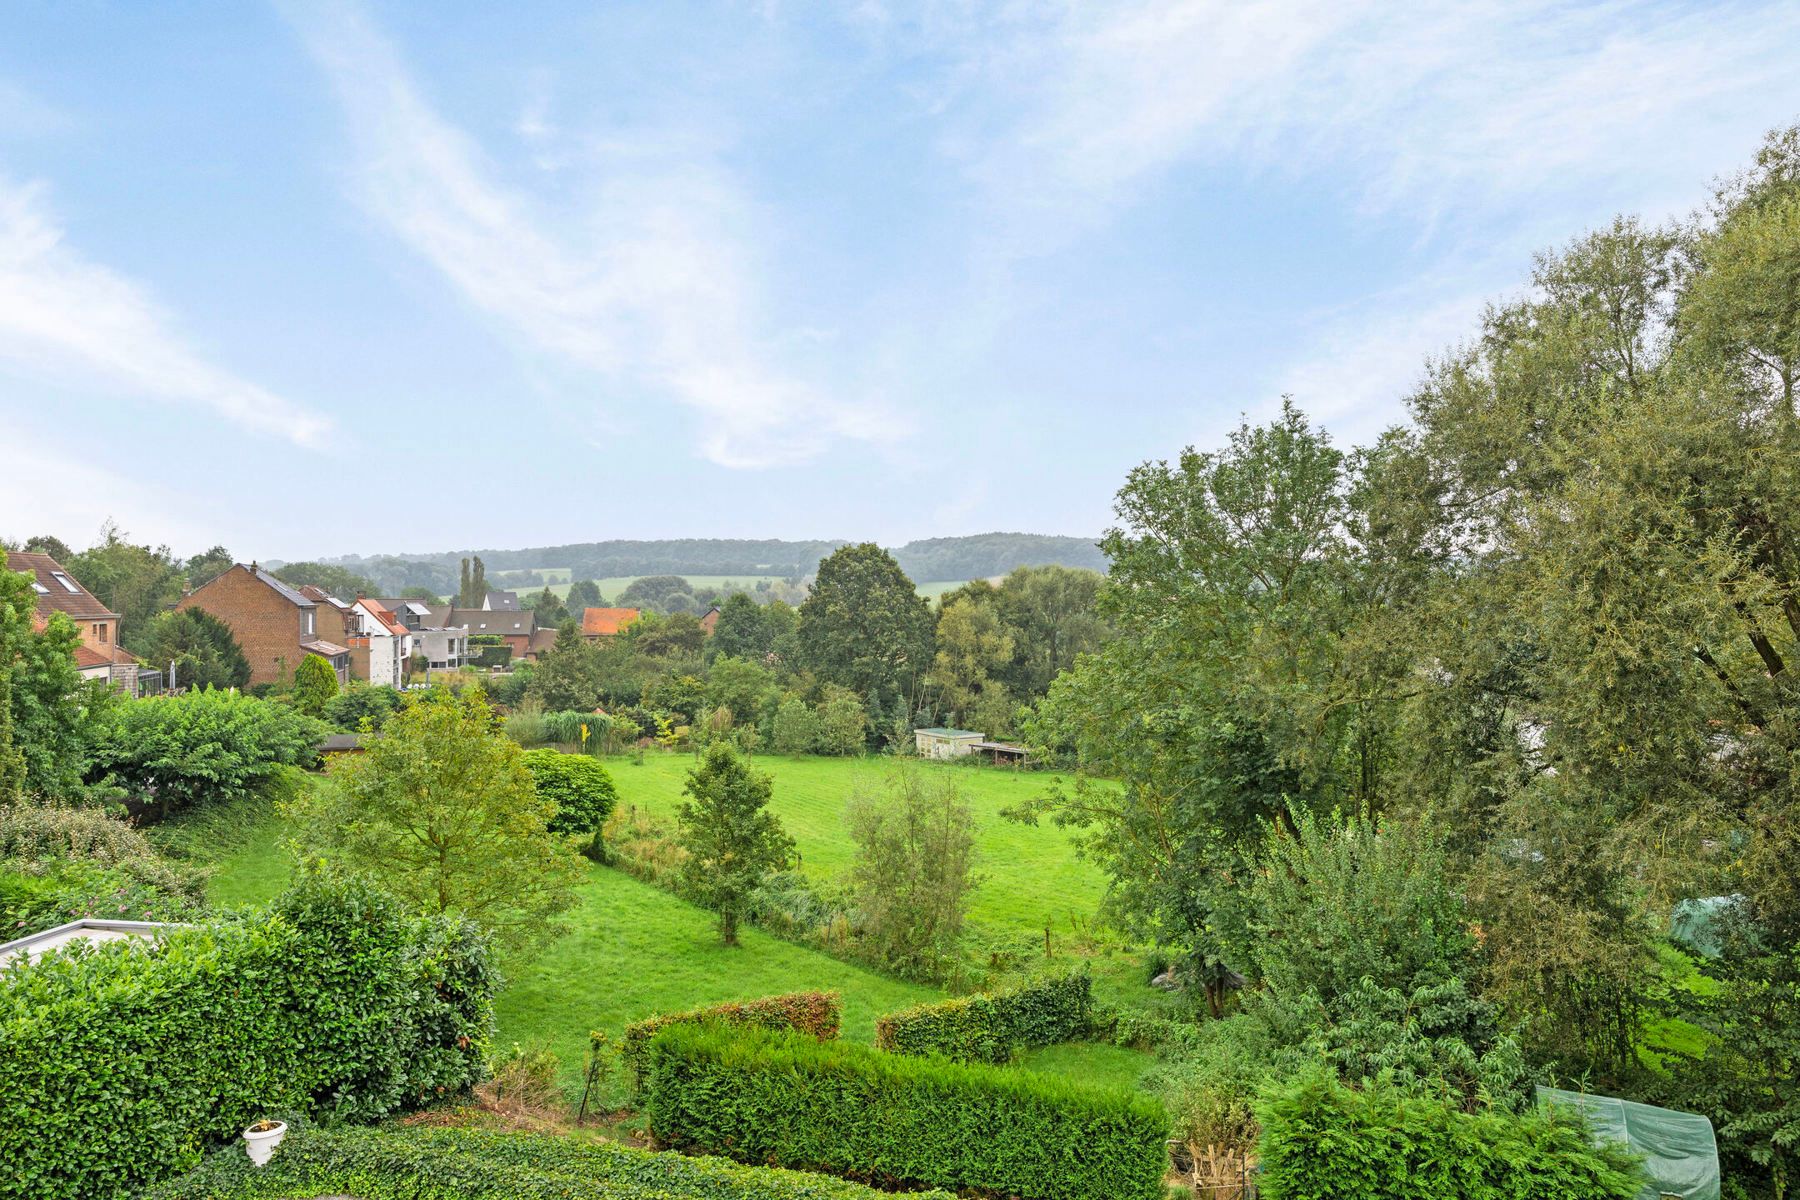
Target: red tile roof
{"points": [[385, 618], [57, 590], [604, 622]]}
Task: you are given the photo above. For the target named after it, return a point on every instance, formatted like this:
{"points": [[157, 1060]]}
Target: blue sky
{"points": [[319, 278]]}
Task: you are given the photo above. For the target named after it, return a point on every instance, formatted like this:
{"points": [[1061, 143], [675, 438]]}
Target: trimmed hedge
{"points": [[993, 1027], [815, 1014], [119, 1062], [1322, 1140], [898, 1121], [458, 1164]]}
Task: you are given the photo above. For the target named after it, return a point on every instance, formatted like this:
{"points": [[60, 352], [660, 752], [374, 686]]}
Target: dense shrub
{"points": [[577, 785], [815, 1014], [362, 702], [455, 1164], [119, 1062], [1322, 1139], [992, 1028], [178, 751], [895, 1120]]}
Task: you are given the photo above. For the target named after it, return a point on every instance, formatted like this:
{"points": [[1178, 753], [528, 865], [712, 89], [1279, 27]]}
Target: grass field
{"points": [[1031, 877], [633, 950]]}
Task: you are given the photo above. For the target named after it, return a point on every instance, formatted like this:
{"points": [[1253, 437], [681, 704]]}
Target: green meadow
{"points": [[1030, 876], [632, 950]]}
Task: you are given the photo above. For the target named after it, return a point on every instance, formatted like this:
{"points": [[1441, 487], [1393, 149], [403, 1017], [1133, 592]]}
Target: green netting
{"points": [[1680, 1156]]}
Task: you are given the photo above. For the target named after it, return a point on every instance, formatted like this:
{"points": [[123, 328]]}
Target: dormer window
{"points": [[306, 621]]}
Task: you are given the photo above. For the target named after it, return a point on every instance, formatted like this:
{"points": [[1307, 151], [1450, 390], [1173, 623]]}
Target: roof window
{"points": [[68, 584]]}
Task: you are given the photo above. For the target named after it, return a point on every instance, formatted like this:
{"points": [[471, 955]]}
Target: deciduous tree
{"points": [[443, 811]]}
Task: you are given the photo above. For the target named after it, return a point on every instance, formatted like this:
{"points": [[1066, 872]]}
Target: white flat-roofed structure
{"points": [[34, 946], [946, 743]]}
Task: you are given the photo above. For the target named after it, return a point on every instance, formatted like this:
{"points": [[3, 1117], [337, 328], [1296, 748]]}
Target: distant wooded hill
{"points": [[925, 561]]}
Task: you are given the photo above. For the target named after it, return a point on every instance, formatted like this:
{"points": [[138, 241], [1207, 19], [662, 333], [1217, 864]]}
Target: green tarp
{"points": [[1695, 923], [1680, 1155]]}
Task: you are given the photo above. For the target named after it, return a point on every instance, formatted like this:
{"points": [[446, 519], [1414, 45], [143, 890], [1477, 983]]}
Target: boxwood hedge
{"points": [[458, 1164], [1322, 1139], [120, 1062], [992, 1027], [815, 1014], [894, 1120]]}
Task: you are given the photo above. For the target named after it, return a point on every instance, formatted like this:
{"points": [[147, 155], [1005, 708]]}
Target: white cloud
{"points": [[62, 316], [654, 286], [1493, 128], [1427, 110]]}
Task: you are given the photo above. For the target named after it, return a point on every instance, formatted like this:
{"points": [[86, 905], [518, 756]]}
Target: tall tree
{"points": [[463, 590], [733, 841], [1053, 612], [1239, 690], [974, 646], [865, 626], [135, 581], [478, 585], [583, 593], [203, 568], [741, 631], [444, 812]]}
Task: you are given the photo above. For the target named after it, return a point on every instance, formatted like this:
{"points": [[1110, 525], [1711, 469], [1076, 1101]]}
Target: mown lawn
{"points": [[1031, 877], [634, 950]]}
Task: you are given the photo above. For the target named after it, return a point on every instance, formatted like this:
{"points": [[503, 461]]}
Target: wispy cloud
{"points": [[652, 285], [1422, 108], [64, 317], [1489, 128]]}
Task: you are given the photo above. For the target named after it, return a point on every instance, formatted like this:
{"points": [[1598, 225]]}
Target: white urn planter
{"points": [[261, 1139]]}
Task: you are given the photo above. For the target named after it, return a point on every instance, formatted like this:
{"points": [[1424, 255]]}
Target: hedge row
{"points": [[457, 1164], [816, 1014], [993, 1027], [120, 1062], [1322, 1140], [897, 1121]]}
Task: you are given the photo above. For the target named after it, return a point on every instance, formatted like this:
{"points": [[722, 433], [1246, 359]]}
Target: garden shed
{"points": [[946, 743], [1680, 1154]]}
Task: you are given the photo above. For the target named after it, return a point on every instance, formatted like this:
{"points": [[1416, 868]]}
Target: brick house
{"points": [[513, 625], [99, 656], [276, 625]]}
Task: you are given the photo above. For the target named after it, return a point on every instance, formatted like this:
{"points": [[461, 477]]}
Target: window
{"points": [[68, 584], [306, 620], [100, 632]]}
